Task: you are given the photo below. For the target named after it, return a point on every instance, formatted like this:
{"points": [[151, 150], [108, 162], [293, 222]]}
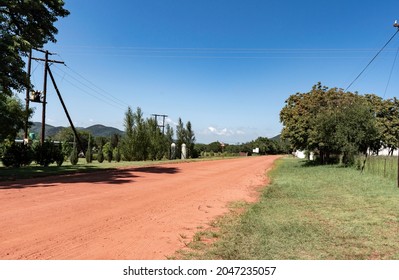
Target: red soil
{"points": [[130, 213]]}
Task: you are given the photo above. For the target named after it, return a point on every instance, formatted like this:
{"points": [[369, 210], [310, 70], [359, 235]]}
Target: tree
{"points": [[141, 140], [329, 121], [386, 113], [189, 139], [115, 138], [265, 145], [127, 145], [12, 117], [100, 155], [66, 134], [169, 135], [157, 141], [74, 155], [24, 25], [89, 155], [117, 154], [107, 151], [181, 137]]}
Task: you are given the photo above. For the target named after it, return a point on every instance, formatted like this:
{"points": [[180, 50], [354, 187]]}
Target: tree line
{"points": [[335, 124], [144, 139]]}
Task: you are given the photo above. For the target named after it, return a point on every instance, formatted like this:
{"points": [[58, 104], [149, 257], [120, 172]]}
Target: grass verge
{"points": [[309, 212]]}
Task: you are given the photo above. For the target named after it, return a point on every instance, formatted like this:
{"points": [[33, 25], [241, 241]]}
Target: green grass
{"points": [[384, 166], [314, 212]]}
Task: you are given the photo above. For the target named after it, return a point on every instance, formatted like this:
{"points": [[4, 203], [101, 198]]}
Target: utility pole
{"points": [[44, 99], [27, 94], [43, 134], [396, 25], [66, 111], [163, 121]]}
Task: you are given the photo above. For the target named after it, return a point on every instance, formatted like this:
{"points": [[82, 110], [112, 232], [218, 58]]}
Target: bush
{"points": [[17, 155], [100, 155], [109, 155], [48, 153], [117, 155], [59, 156], [66, 148], [74, 155]]}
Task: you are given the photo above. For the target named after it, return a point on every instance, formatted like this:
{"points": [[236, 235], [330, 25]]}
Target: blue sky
{"points": [[225, 65]]}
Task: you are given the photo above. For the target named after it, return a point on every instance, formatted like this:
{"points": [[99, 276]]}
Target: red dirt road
{"points": [[130, 213]]}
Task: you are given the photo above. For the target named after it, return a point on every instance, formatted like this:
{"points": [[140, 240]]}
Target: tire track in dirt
{"points": [[131, 213]]}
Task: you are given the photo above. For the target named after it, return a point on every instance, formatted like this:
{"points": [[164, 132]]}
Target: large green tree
{"points": [[12, 117], [330, 121], [24, 24], [386, 113]]}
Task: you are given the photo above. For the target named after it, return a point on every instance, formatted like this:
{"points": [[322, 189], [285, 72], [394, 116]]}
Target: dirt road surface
{"points": [[130, 213]]}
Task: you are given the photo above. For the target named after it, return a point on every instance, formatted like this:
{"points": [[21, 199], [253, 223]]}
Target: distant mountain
{"points": [[102, 130], [95, 130]]}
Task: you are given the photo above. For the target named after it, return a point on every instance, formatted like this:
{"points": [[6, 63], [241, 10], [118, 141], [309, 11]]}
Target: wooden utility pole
{"points": [[43, 134], [396, 24], [27, 94], [163, 121], [44, 93], [66, 111], [44, 100]]}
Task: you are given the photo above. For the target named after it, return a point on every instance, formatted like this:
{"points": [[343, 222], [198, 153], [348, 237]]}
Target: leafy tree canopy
{"points": [[331, 121], [12, 117], [24, 24]]}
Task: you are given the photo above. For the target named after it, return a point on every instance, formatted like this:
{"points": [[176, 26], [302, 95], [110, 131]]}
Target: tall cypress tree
{"points": [[89, 155], [74, 155]]}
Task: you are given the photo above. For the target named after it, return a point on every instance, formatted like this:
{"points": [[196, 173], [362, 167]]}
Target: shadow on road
{"points": [[113, 176]]}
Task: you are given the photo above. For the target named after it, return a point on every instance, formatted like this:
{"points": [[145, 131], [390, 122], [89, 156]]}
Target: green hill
{"points": [[95, 130]]}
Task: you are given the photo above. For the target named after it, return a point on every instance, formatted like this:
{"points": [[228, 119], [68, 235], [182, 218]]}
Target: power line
{"points": [[104, 91], [218, 53], [103, 97], [390, 73], [371, 61], [91, 94]]}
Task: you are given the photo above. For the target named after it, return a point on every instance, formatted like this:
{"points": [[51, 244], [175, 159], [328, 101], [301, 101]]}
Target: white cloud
{"points": [[224, 131]]}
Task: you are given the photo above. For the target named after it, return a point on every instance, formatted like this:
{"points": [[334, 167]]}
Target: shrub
{"points": [[48, 153], [109, 155], [74, 155], [100, 155], [17, 155], [117, 155], [59, 156]]}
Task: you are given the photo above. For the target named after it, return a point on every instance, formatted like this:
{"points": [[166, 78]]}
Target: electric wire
{"points": [[104, 93], [371, 61], [116, 100], [390, 73], [215, 53], [89, 93], [104, 97]]}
